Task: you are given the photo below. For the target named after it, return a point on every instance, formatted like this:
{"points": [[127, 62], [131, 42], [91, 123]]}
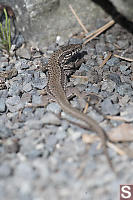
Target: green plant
{"points": [[5, 33]]}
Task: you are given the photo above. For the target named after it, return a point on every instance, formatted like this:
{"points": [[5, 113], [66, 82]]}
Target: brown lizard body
{"points": [[56, 88]]}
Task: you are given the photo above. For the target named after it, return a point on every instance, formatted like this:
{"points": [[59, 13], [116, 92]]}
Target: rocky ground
{"points": [[43, 156]]}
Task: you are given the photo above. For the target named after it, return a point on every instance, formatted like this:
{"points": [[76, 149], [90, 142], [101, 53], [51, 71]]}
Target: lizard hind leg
{"points": [[71, 92]]}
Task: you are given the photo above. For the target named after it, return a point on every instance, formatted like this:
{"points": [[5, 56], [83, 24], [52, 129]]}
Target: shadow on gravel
{"points": [[116, 15]]}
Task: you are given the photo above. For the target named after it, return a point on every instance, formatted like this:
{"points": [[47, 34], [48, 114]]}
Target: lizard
{"points": [[56, 88], [7, 75]]}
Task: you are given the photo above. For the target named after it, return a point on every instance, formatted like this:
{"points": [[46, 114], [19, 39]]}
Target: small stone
{"points": [[34, 153], [123, 44], [112, 62], [54, 107], [2, 105], [19, 41], [92, 88], [15, 89], [5, 170], [39, 82], [75, 40], [11, 146], [109, 86], [124, 100], [39, 113], [5, 132], [24, 64], [27, 87], [109, 38], [114, 98], [96, 116], [14, 103], [50, 118], [115, 77], [74, 134], [51, 140], [127, 113], [23, 53], [34, 124], [36, 99], [124, 89], [25, 171], [125, 70], [61, 133], [26, 97], [100, 47], [108, 108]]}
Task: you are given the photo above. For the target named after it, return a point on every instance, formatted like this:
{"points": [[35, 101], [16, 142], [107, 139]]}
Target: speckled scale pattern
{"points": [[55, 67]]}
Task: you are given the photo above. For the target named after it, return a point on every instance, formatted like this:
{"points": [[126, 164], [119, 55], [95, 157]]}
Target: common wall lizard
{"points": [[56, 88]]}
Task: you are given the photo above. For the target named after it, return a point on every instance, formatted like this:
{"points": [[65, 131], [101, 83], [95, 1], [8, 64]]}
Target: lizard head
{"points": [[69, 51]]}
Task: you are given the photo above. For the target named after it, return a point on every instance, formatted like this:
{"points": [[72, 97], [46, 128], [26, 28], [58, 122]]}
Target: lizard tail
{"points": [[91, 124]]}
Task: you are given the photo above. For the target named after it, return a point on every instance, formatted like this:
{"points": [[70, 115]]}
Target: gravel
{"points": [[109, 108], [42, 154], [2, 105]]}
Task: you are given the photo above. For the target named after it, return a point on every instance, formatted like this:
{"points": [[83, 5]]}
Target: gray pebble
{"points": [[13, 100], [39, 82], [27, 77], [115, 77], [26, 97], [34, 124], [114, 98], [27, 87], [2, 105], [51, 140], [125, 70], [75, 134], [5, 170], [93, 151], [19, 40], [75, 41], [24, 52], [127, 113], [124, 89], [50, 118], [5, 132], [33, 154], [109, 38], [24, 64], [123, 43], [112, 62], [96, 116], [61, 135], [109, 86], [15, 88], [39, 113], [54, 107], [109, 108], [100, 47], [11, 146], [14, 103], [25, 171], [27, 114], [92, 88], [36, 99], [4, 64]]}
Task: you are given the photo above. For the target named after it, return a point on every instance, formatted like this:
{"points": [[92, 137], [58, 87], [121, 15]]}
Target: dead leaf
{"points": [[122, 133]]}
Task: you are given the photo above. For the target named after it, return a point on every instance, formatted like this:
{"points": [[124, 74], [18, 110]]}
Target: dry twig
{"points": [[81, 77], [123, 58], [99, 31], [79, 21], [106, 59], [116, 148]]}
